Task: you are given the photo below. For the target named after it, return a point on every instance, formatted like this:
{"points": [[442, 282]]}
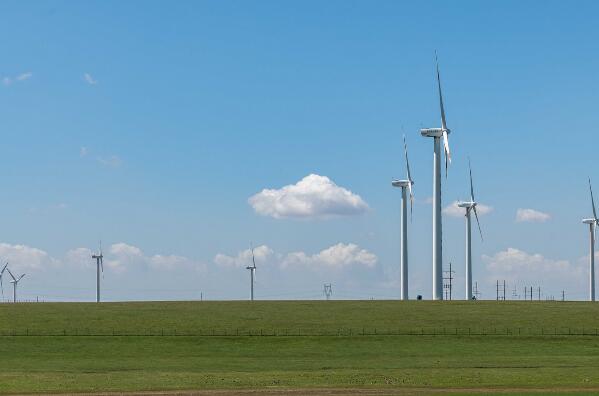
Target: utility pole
{"points": [[328, 290], [539, 289], [448, 282], [563, 295], [504, 290]]}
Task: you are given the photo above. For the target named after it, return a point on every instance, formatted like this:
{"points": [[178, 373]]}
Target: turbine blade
{"points": [[443, 123], [411, 203], [11, 275], [447, 152], [592, 200], [253, 258], [471, 186], [478, 223], [405, 145], [102, 263]]}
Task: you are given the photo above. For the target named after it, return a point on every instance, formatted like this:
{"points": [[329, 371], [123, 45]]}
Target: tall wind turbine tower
{"points": [[99, 266], [405, 185], [1, 283], [470, 207], [437, 134], [252, 269], [592, 226], [15, 282]]}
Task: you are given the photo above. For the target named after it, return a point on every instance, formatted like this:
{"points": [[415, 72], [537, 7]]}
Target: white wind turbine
{"points": [[252, 269], [15, 282], [405, 185], [437, 134], [99, 266], [470, 207], [1, 283], [592, 226]]}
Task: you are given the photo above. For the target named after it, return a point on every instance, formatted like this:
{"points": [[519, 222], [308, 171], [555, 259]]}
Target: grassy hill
{"points": [[500, 346]]}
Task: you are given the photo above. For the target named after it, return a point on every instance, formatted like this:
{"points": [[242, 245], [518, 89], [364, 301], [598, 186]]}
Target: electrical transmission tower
{"points": [[476, 293], [515, 295], [500, 290], [448, 282], [328, 290]]}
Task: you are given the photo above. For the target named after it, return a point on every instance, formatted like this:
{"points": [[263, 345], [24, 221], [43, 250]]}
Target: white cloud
{"points": [[24, 76], [25, 258], [455, 211], [314, 196], [244, 258], [89, 79], [19, 78], [335, 257], [516, 265], [112, 161], [531, 215], [122, 256], [79, 257]]}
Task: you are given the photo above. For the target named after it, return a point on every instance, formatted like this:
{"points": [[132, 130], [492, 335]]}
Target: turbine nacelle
{"points": [[590, 221], [467, 205], [434, 132], [402, 183]]}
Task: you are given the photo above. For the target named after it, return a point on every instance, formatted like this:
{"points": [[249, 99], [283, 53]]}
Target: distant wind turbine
{"points": [[99, 266], [470, 207], [592, 227], [437, 134], [252, 269], [405, 185], [15, 282], [1, 283]]}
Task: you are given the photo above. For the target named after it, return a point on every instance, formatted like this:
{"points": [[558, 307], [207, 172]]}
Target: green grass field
{"points": [[467, 347]]}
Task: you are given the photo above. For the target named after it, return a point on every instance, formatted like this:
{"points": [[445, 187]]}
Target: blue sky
{"points": [[149, 125]]}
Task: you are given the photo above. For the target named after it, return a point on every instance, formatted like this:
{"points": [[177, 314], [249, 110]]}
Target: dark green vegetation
{"points": [[49, 361]]}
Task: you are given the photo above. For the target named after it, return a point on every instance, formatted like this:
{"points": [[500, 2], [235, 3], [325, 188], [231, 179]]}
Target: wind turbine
{"points": [[99, 266], [470, 207], [252, 269], [405, 185], [15, 282], [1, 283], [592, 226], [437, 134]]}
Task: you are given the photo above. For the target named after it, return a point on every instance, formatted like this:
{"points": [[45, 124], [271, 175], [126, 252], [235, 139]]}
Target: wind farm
{"points": [[202, 141]]}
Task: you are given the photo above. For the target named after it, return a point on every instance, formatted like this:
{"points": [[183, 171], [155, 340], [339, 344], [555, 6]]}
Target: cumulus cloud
{"points": [[514, 264], [24, 258], [244, 258], [89, 79], [314, 196], [338, 256], [531, 216], [455, 211], [122, 256], [335, 257]]}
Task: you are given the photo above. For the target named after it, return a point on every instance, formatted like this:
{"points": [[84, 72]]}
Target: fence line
{"points": [[299, 332]]}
